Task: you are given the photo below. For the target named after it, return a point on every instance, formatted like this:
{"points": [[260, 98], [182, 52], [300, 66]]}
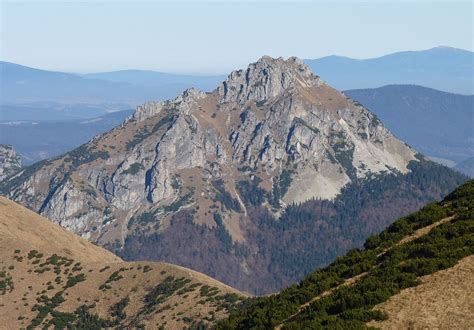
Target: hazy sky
{"points": [[216, 37]]}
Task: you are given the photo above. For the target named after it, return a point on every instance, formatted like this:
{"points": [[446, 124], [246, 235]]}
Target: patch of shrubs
{"points": [[398, 266], [163, 291], [73, 280], [84, 155], [117, 310], [182, 201], [250, 192], [224, 197], [115, 276], [34, 254], [6, 282], [133, 169]]}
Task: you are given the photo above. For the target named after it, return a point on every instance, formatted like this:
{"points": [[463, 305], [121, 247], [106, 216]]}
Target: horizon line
{"points": [[208, 74]]}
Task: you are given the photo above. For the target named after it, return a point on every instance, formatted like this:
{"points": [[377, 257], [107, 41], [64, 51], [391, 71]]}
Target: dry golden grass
{"points": [[22, 231], [444, 300]]}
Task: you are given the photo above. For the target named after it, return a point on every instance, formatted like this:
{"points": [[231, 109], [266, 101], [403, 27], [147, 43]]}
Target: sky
{"points": [[219, 36]]}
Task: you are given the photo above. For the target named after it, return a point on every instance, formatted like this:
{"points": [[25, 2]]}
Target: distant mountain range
{"points": [[443, 68], [435, 123], [159, 79], [466, 167], [21, 85], [37, 140], [45, 112]]}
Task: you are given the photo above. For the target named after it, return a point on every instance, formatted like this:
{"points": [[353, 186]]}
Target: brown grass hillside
{"points": [[444, 300], [49, 276]]}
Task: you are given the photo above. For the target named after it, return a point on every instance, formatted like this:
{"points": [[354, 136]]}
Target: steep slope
{"points": [[443, 68], [49, 276], [435, 123], [387, 282], [10, 161], [442, 300], [209, 174]]}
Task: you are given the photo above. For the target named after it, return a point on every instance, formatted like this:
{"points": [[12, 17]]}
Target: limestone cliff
{"points": [[10, 161]]}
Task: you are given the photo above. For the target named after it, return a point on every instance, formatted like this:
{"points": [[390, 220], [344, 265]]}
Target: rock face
{"points": [[275, 116], [274, 128], [10, 161]]}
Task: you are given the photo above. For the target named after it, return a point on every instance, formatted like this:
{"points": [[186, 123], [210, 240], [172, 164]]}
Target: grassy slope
{"points": [[443, 300], [50, 276], [389, 263]]}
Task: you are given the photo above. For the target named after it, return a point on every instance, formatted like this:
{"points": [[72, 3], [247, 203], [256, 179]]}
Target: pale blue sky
{"points": [[216, 37]]}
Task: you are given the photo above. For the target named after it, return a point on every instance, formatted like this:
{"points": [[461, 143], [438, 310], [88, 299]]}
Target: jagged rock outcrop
{"points": [[276, 116], [275, 134], [10, 161], [266, 79]]}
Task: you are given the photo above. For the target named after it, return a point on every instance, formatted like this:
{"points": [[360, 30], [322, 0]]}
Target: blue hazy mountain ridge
{"points": [[35, 141], [435, 123], [49, 112], [443, 68], [466, 167], [21, 85], [159, 79], [93, 94]]}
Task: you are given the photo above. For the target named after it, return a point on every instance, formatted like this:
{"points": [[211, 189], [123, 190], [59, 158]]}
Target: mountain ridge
{"points": [[226, 170], [157, 78], [287, 87], [26, 86], [443, 68]]}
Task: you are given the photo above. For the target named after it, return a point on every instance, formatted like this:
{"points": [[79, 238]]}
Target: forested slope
{"points": [[343, 295]]}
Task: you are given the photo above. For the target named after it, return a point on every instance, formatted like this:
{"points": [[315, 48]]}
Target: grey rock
{"points": [[274, 116], [10, 161]]}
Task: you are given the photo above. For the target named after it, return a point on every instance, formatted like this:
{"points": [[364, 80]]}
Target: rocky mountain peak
{"points": [[266, 79], [271, 135]]}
